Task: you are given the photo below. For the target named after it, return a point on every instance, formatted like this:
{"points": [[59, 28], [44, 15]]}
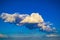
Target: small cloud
{"points": [[51, 35], [3, 36], [8, 17]]}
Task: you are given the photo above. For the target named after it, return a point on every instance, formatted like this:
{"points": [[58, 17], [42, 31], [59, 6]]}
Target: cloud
{"points": [[33, 18], [21, 19], [8, 17], [51, 35], [12, 17], [3, 36]]}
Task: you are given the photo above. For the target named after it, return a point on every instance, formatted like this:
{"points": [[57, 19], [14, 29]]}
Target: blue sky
{"points": [[49, 9]]}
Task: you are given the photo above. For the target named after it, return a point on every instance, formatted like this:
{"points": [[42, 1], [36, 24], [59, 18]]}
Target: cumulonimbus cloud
{"points": [[25, 18]]}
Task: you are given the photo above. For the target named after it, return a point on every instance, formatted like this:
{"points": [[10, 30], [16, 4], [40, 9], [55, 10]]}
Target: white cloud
{"points": [[22, 16], [51, 35], [44, 26], [12, 17], [8, 17], [25, 18], [33, 18]]}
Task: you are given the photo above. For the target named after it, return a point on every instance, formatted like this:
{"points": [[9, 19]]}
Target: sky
{"points": [[49, 9]]}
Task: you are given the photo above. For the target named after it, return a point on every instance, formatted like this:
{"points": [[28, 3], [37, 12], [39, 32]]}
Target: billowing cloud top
{"points": [[25, 18], [33, 18]]}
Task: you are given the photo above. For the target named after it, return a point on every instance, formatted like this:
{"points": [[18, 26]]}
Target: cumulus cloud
{"points": [[25, 18], [8, 17], [12, 17], [33, 18]]}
